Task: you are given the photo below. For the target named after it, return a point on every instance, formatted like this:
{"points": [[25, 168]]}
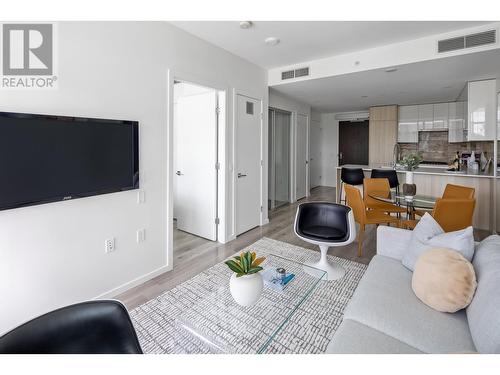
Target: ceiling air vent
{"points": [[451, 44], [480, 39], [289, 74], [301, 72], [467, 41]]}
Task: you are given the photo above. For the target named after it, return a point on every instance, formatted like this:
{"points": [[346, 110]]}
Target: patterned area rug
{"points": [[308, 331]]}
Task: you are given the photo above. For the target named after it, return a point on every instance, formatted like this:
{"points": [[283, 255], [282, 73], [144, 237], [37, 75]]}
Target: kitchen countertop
{"points": [[430, 170]]}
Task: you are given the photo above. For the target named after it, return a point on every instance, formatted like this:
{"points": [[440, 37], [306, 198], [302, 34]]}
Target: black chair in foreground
{"points": [[326, 225], [94, 327]]}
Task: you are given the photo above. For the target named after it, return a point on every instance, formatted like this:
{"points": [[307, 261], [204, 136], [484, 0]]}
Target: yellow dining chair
{"points": [[363, 216], [451, 214], [458, 192], [451, 191], [371, 185]]}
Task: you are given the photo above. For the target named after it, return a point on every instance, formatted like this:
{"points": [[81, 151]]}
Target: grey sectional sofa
{"points": [[385, 316]]}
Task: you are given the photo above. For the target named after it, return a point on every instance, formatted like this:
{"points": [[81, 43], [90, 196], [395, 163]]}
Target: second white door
{"points": [[301, 161], [195, 128], [248, 163]]}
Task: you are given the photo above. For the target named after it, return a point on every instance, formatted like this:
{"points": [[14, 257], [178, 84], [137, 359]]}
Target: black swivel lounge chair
{"points": [[326, 224], [94, 327]]}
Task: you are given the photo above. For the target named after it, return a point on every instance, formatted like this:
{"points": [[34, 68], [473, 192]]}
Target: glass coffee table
{"points": [[223, 326]]}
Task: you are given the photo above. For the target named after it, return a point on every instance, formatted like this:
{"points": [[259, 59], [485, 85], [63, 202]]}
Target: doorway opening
{"points": [[279, 171], [353, 142], [196, 165]]}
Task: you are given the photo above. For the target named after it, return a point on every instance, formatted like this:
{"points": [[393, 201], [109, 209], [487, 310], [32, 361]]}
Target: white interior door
{"points": [[301, 157], [195, 158], [315, 154], [247, 166]]}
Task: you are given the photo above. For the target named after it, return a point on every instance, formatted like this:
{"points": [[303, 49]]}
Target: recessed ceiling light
{"points": [[246, 24], [391, 70], [271, 41]]}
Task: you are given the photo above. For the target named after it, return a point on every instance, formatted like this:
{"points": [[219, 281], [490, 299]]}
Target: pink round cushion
{"points": [[444, 280]]}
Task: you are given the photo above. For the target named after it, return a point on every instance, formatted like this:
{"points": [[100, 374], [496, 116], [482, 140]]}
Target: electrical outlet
{"points": [[141, 235], [109, 245]]}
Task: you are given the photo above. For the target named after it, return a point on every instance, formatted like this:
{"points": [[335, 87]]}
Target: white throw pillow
{"points": [[428, 234]]}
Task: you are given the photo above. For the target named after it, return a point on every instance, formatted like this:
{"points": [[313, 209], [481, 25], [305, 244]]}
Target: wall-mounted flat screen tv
{"points": [[45, 158]]}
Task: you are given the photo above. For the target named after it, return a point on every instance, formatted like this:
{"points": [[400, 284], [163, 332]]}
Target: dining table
{"points": [[411, 203]]}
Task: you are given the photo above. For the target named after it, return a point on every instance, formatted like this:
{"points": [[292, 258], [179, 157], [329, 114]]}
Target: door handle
{"points": [[178, 173], [240, 175]]}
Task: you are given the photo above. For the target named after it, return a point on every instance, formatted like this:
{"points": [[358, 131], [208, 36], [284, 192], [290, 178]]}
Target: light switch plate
{"points": [[109, 245]]}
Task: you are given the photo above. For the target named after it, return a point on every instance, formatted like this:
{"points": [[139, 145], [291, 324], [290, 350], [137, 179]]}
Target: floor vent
{"points": [[467, 41], [289, 74], [302, 72]]}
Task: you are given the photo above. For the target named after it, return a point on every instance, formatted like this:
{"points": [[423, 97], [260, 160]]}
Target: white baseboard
{"points": [[141, 279], [266, 221]]}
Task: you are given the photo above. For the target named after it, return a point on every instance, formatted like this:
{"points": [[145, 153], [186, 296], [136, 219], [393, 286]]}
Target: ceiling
{"points": [[309, 40], [424, 82]]}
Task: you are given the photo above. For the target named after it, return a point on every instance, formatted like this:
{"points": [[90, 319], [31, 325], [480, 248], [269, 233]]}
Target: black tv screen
{"points": [[47, 158]]}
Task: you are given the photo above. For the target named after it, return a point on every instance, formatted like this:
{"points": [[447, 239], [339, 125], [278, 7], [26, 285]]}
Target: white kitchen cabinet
{"points": [[456, 122], [425, 117], [440, 118], [408, 124], [481, 110]]}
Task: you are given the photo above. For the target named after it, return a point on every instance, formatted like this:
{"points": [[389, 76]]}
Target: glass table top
{"points": [[420, 201], [226, 327]]}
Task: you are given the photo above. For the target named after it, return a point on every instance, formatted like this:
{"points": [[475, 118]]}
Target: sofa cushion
{"points": [[428, 234], [385, 301], [483, 312], [355, 338], [444, 280]]}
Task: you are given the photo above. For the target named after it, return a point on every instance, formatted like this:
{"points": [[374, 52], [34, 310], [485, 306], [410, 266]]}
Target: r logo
{"points": [[27, 49]]}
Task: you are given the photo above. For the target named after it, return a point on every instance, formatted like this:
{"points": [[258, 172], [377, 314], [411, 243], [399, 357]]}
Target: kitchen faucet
{"points": [[396, 153]]}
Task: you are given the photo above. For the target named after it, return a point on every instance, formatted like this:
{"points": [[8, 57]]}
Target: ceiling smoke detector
{"points": [[271, 41], [246, 24]]}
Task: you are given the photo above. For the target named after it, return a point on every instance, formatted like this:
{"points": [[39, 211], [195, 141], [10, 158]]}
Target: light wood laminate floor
{"points": [[194, 254]]}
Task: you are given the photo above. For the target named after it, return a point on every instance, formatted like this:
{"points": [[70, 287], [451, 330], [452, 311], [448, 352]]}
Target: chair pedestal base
{"points": [[333, 271]]}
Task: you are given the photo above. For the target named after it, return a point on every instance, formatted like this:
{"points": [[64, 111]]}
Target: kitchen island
{"points": [[431, 180]]}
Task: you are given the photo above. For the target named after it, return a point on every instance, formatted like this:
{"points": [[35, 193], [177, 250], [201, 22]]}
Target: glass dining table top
{"points": [[420, 201]]}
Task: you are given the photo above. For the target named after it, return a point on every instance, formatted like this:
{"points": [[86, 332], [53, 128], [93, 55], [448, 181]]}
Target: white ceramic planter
{"points": [[409, 177], [246, 290]]}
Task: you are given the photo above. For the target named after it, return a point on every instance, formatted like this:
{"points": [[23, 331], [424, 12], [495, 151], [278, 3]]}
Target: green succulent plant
{"points": [[411, 161], [245, 264]]}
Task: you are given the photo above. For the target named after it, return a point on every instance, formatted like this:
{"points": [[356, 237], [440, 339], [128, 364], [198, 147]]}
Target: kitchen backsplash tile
{"points": [[434, 146]]}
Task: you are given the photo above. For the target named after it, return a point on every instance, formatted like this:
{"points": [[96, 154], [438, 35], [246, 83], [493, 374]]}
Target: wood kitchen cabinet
{"points": [[383, 131]]}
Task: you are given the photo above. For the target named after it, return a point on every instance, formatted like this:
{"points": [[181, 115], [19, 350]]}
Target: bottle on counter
{"points": [[455, 165]]}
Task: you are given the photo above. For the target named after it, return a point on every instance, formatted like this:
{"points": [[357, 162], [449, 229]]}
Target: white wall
{"points": [[53, 254], [329, 148], [285, 103]]}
